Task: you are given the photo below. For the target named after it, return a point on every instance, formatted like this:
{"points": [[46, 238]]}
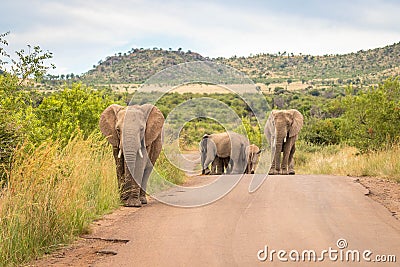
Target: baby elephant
{"points": [[253, 155]]}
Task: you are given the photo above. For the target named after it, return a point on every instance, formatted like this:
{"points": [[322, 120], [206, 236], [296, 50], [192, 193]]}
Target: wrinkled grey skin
{"points": [[137, 129], [253, 156], [219, 165], [281, 131], [223, 145]]}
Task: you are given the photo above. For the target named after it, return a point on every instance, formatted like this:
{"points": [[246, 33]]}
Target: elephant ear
{"points": [[297, 123], [154, 124], [107, 123], [269, 129]]}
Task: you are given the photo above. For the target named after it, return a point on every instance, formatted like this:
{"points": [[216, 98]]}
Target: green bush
{"points": [[322, 132], [371, 118], [77, 107]]}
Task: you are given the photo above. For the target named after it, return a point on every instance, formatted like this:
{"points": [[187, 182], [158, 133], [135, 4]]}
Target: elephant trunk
{"points": [[139, 150], [131, 145]]}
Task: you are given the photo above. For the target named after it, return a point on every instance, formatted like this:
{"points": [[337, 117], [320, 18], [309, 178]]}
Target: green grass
{"points": [[345, 160], [53, 195], [164, 173]]}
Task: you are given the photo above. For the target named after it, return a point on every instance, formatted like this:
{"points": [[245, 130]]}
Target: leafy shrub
{"points": [[322, 132], [371, 118], [78, 107], [253, 132]]}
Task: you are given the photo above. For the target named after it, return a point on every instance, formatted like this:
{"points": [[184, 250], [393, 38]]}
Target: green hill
{"points": [[363, 67], [137, 65]]}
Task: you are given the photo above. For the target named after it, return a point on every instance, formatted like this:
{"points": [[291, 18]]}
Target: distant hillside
{"points": [[363, 67], [137, 65]]}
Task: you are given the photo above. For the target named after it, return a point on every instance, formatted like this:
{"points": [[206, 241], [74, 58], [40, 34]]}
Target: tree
{"points": [[31, 64], [3, 52], [78, 107], [372, 116], [17, 121]]}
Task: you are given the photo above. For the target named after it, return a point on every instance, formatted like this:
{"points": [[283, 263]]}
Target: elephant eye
{"points": [[141, 128]]}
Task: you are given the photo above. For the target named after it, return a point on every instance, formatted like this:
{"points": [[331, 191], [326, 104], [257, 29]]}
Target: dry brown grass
{"points": [[348, 161], [52, 195]]}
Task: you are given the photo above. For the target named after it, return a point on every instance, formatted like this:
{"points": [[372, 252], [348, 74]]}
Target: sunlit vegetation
{"points": [[57, 172]]}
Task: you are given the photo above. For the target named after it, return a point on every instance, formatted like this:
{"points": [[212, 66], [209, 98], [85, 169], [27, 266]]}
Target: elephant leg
{"points": [[215, 166], [207, 162], [286, 154], [136, 180], [225, 164], [250, 169], [120, 169], [220, 166], [238, 167], [142, 196], [276, 162], [146, 175], [132, 190], [272, 170], [285, 159], [291, 159], [229, 166]]}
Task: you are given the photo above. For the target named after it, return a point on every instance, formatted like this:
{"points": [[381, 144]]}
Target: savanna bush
{"points": [[371, 117], [322, 132], [77, 107]]}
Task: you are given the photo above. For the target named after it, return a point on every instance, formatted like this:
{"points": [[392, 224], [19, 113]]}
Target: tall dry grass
{"points": [[345, 160], [53, 194]]}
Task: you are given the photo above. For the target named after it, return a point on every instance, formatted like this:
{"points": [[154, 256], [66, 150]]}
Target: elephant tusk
{"points": [[140, 153], [119, 153]]}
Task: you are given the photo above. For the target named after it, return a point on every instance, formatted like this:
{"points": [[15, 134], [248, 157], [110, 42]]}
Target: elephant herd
{"points": [[228, 151], [135, 135]]}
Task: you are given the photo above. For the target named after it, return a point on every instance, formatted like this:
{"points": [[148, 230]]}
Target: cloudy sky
{"points": [[80, 33]]}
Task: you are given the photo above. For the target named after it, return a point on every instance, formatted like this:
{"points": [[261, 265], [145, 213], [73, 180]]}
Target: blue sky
{"points": [[80, 33]]}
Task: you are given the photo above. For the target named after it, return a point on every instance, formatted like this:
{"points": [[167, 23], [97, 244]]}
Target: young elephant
{"points": [[281, 130], [135, 135], [253, 155]]}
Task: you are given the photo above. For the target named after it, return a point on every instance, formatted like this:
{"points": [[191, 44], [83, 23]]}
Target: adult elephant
{"points": [[135, 135], [253, 155], [281, 131], [223, 145]]}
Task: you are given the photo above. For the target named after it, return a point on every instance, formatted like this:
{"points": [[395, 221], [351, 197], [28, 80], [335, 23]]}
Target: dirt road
{"points": [[301, 212], [296, 215]]}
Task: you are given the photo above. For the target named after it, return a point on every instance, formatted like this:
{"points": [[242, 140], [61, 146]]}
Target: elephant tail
{"points": [[243, 156], [203, 143], [203, 152]]}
